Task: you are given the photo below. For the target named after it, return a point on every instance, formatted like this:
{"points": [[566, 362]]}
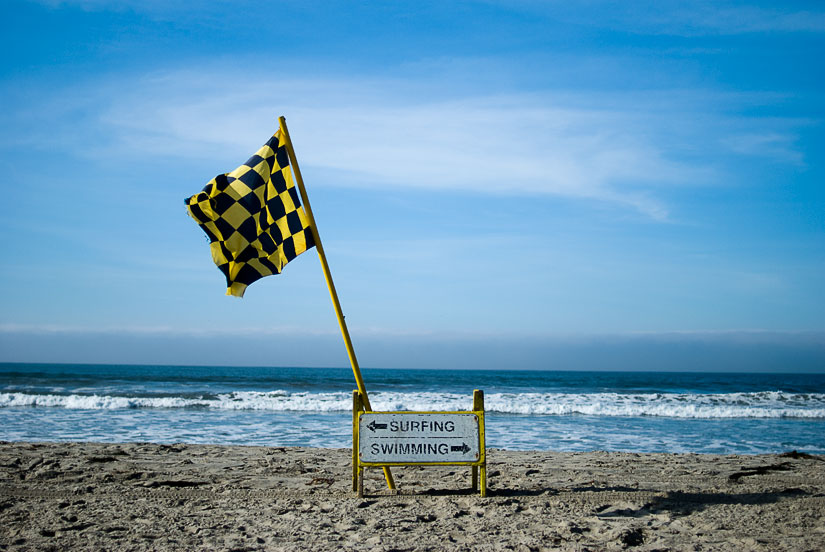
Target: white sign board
{"points": [[418, 437]]}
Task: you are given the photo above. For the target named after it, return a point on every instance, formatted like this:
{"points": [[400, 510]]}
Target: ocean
{"points": [[722, 413]]}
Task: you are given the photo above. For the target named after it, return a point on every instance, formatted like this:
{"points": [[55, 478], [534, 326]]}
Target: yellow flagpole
{"points": [[330, 284]]}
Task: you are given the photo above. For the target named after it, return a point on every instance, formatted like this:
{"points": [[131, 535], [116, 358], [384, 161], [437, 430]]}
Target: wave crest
{"points": [[769, 404]]}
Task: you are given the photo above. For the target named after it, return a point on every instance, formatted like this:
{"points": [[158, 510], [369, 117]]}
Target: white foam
{"points": [[773, 404]]}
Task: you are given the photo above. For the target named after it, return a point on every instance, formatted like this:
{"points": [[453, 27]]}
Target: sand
{"points": [[83, 496]]}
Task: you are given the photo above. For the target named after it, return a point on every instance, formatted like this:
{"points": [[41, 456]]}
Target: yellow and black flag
{"points": [[253, 217]]}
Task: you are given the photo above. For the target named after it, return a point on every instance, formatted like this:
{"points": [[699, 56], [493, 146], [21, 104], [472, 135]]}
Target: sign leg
{"points": [[478, 406], [474, 475], [360, 477], [354, 478], [356, 408]]}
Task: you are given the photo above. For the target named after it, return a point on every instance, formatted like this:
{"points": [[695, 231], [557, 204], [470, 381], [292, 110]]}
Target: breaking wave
{"points": [[767, 404]]}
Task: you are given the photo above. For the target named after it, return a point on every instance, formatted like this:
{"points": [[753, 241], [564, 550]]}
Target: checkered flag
{"points": [[253, 217]]}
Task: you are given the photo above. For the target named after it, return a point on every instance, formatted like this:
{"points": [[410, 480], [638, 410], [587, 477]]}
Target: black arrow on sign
{"points": [[463, 448], [372, 426]]}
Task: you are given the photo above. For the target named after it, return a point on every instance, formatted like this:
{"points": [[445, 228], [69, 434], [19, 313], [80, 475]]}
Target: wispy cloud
{"points": [[773, 144], [623, 149], [155, 7], [680, 17], [677, 17], [714, 18]]}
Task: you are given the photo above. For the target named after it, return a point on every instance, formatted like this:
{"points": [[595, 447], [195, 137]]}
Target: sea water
{"points": [[526, 410]]}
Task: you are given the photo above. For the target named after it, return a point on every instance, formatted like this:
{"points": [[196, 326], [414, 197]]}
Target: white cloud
{"points": [[748, 19], [679, 17], [777, 145], [155, 7], [620, 149], [368, 136]]}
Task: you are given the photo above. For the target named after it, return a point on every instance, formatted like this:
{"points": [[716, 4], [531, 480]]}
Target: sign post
{"points": [[383, 439]]}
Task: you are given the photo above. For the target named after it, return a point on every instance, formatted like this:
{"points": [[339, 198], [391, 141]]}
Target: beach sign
{"points": [[437, 438], [419, 437]]}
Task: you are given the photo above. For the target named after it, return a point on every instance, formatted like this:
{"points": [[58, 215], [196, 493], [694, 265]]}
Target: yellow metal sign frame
{"points": [[478, 468]]}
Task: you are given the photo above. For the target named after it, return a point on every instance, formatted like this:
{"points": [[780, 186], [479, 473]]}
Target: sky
{"points": [[535, 185]]}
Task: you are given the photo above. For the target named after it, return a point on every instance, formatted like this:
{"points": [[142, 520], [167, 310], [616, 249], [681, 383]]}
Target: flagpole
{"points": [[359, 381]]}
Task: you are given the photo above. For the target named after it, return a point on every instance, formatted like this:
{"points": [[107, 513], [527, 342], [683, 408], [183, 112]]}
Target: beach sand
{"points": [[84, 496]]}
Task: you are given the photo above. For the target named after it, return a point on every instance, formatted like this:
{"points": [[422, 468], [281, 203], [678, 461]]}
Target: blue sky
{"points": [[497, 184]]}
